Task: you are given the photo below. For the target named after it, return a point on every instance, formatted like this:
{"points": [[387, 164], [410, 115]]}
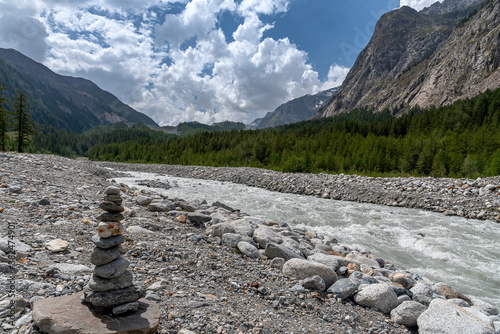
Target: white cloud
{"points": [[147, 65], [418, 4], [336, 76], [198, 19], [263, 6], [25, 34]]}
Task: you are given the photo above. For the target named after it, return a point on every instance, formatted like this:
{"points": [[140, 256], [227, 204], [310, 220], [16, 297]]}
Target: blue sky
{"points": [[197, 60]]}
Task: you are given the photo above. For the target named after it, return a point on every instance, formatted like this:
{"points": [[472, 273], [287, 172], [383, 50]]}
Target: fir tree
{"points": [[24, 126], [3, 120]]}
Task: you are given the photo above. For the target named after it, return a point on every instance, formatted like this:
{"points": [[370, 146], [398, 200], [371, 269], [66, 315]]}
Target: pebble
{"points": [[57, 245]]}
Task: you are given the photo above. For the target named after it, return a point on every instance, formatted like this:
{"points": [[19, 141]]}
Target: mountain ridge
{"points": [[415, 59], [69, 103], [295, 110]]}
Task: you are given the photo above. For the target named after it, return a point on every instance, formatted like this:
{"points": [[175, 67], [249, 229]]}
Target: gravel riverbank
{"points": [[187, 259]]}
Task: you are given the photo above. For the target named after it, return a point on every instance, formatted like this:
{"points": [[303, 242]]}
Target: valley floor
{"points": [[200, 284]]}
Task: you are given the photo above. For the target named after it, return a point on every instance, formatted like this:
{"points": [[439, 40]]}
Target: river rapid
{"points": [[461, 252]]}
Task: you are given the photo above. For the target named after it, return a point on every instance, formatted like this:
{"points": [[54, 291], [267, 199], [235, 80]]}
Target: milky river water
{"points": [[462, 252]]}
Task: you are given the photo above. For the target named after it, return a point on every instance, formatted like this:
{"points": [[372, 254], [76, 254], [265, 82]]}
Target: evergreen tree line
{"points": [[461, 140], [17, 127]]}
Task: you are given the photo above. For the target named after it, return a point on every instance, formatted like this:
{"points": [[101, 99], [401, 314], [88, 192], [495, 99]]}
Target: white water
{"points": [[463, 253]]}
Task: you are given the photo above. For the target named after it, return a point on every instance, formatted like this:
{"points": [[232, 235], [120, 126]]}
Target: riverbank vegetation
{"points": [[461, 140]]}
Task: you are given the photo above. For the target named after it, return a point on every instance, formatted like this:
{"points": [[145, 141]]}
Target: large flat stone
{"points": [[68, 315]]}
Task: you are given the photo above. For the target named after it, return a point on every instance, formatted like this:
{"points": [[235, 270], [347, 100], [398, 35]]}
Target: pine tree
{"points": [[3, 120], [24, 126]]}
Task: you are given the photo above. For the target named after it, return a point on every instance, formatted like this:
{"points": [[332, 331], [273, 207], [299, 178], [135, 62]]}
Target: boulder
{"points": [[273, 250], [407, 313], [264, 235], [422, 288], [325, 259], [358, 258], [68, 314], [249, 250], [446, 291], [231, 239], [443, 317], [301, 269], [198, 219], [143, 200], [379, 296], [243, 227], [314, 283], [405, 280], [344, 288], [218, 230], [484, 306]]}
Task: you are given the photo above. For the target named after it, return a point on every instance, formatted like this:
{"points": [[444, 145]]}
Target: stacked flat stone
{"points": [[111, 285]]}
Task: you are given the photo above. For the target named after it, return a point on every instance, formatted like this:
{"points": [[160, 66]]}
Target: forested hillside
{"points": [[458, 140]]}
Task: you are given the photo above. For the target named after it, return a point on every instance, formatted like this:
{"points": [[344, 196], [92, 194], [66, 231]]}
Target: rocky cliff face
{"points": [[448, 6], [416, 59], [296, 110], [69, 103]]}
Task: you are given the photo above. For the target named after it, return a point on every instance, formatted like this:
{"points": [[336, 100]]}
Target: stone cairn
{"points": [[111, 286]]}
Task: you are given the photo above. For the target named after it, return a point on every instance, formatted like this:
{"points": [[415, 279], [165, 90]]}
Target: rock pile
{"points": [[111, 285], [340, 272]]}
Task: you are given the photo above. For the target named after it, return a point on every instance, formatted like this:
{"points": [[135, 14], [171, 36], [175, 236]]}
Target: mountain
{"points": [[417, 59], [447, 6], [296, 110], [72, 104]]}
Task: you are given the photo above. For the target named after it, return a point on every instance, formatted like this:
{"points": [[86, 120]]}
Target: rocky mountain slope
{"points": [[418, 59], [69, 103], [296, 110]]}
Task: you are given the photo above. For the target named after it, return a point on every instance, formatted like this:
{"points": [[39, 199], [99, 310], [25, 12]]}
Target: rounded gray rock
{"points": [[102, 256], [379, 296], [231, 239], [218, 230], [273, 250], [443, 317], [314, 283], [249, 250], [301, 269], [97, 283], [407, 313], [115, 297], [113, 269], [325, 259], [265, 235]]}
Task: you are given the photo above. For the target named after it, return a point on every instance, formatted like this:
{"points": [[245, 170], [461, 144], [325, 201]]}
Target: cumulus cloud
{"points": [[175, 67], [418, 4], [25, 34], [336, 76]]}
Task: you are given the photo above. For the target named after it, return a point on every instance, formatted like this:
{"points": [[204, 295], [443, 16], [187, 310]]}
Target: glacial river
{"points": [[463, 253]]}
